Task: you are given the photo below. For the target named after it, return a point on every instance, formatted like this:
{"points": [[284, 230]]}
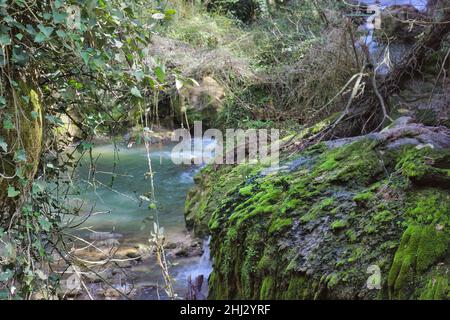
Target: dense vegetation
{"points": [[73, 71]]}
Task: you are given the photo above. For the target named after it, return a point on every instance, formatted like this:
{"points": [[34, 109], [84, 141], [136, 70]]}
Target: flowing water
{"points": [[378, 50], [419, 4], [125, 215]]}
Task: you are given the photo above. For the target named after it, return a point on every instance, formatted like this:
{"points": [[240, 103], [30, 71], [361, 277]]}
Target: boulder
{"points": [[362, 218]]}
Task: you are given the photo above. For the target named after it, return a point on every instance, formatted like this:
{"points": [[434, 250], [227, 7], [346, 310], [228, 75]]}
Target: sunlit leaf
{"points": [[3, 145], [12, 192], [5, 39], [135, 92]]}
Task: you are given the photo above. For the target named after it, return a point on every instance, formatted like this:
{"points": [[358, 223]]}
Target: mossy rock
{"points": [[312, 231]]}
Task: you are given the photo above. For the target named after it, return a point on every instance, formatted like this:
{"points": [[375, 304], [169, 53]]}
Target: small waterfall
{"points": [[376, 49], [204, 266]]}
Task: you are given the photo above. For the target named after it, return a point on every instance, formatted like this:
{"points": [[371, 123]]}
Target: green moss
{"points": [[339, 224], [31, 140], [419, 248], [267, 289], [363, 196], [280, 224], [317, 209], [332, 280], [251, 216], [437, 288], [356, 253], [251, 257], [289, 205], [351, 234], [355, 163], [425, 164], [383, 216], [297, 289], [246, 191], [268, 262], [430, 206]]}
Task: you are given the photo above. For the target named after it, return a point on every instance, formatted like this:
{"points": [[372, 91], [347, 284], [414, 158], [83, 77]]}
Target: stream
{"points": [[395, 52], [124, 215]]}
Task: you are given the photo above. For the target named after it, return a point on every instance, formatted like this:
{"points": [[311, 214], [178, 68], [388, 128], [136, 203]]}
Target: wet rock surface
{"points": [[116, 267], [376, 201]]}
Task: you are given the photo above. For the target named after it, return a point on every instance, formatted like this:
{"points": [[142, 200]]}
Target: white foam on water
{"points": [[202, 268], [419, 4]]}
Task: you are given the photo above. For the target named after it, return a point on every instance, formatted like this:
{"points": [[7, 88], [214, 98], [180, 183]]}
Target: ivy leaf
{"points": [[54, 120], [139, 75], [35, 188], [3, 145], [29, 28], [9, 20], [26, 99], [40, 37], [60, 33], [59, 17], [19, 56], [45, 225], [6, 275], [5, 39], [2, 102], [7, 124], [85, 56], [20, 155], [135, 92], [160, 74], [12, 192], [84, 146], [47, 31]]}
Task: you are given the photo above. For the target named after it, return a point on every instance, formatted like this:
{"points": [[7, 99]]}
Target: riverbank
{"points": [[113, 240]]}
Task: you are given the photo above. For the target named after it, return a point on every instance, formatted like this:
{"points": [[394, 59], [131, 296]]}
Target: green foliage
{"points": [[245, 10], [93, 67], [193, 25]]}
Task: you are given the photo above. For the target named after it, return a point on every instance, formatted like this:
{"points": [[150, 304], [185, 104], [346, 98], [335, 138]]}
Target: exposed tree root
{"points": [[369, 112]]}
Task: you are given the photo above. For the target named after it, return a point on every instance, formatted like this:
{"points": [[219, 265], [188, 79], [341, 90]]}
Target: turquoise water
{"points": [[127, 213], [129, 217]]}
